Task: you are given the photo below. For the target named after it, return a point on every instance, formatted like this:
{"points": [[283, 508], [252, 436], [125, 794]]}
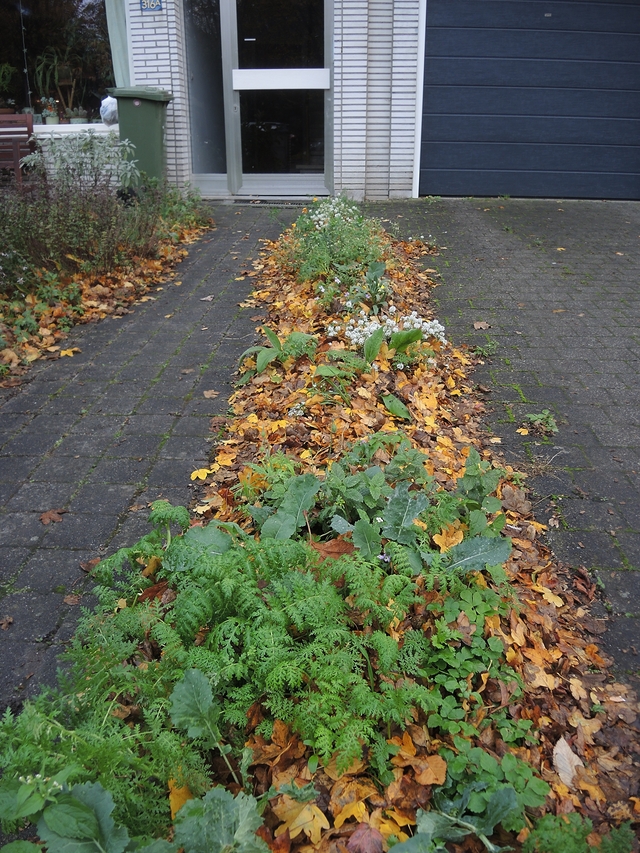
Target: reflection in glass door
{"points": [[282, 128], [259, 94]]}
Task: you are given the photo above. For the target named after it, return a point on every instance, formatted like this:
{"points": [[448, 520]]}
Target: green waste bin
{"points": [[142, 113]]}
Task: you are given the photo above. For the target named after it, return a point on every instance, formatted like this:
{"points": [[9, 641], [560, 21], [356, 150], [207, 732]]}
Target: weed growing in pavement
{"points": [[543, 422], [488, 349]]}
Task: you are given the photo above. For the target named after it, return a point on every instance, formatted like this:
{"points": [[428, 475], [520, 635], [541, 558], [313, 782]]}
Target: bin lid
{"points": [[149, 93]]}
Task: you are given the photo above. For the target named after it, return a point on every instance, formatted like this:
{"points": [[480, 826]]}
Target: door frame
{"points": [[236, 80]]}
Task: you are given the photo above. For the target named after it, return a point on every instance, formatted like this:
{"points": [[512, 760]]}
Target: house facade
{"points": [[394, 98]]}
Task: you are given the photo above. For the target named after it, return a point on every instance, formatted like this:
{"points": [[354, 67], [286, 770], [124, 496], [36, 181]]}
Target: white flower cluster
{"points": [[29, 780], [332, 208], [429, 328], [296, 411], [359, 328]]}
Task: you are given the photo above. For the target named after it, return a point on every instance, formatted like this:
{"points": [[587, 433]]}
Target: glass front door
{"points": [[282, 129], [269, 93]]}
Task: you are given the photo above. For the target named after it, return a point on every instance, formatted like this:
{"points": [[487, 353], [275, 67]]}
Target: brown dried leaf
{"points": [[54, 515], [366, 839], [565, 762]]}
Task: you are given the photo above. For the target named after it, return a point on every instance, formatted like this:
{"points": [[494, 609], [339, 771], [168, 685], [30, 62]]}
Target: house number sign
{"points": [[151, 5]]}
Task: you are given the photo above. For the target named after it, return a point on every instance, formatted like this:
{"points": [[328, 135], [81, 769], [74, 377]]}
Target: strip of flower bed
{"points": [[350, 643]]}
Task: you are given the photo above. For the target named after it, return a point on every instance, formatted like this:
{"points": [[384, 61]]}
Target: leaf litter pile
{"points": [[35, 324], [361, 642]]}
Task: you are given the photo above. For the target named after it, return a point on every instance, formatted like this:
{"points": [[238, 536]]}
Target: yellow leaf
{"points": [[210, 395], [226, 457], [121, 604], [448, 537], [357, 810], [495, 440], [178, 796], [549, 597], [523, 431], [201, 474], [577, 690], [300, 817], [306, 454], [70, 352]]}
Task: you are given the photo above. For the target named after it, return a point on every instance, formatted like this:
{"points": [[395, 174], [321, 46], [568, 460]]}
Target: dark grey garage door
{"points": [[532, 98]]}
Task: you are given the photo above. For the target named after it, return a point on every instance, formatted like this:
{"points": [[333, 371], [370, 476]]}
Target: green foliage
{"points": [[76, 218], [335, 244], [569, 832], [452, 820], [544, 422], [274, 627], [218, 823], [473, 766], [372, 289], [396, 407], [86, 160], [295, 345]]}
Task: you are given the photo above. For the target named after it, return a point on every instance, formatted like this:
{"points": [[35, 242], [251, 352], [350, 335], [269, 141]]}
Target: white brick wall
{"points": [[159, 60], [376, 57]]}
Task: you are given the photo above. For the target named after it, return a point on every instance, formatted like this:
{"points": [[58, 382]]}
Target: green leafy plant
{"points": [[334, 245], [569, 833], [543, 422], [296, 345], [450, 820]]}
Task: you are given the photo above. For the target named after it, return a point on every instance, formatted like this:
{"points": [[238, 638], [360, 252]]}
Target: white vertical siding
{"points": [[157, 40], [376, 86]]}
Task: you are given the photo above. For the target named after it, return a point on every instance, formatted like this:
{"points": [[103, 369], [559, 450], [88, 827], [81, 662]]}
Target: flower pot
{"points": [[77, 120], [49, 119]]}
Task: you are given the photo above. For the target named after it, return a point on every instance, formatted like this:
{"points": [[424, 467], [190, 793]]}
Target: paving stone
{"points": [[148, 424], [81, 531], [40, 497], [16, 468], [35, 616], [63, 469], [21, 528], [108, 498], [121, 471], [54, 571], [11, 561], [133, 447]]}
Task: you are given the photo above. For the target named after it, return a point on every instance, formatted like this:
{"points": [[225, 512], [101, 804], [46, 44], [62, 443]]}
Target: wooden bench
{"points": [[16, 141]]}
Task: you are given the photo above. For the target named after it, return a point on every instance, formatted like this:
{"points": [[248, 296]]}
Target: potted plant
{"points": [[7, 104], [49, 110], [78, 115]]}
